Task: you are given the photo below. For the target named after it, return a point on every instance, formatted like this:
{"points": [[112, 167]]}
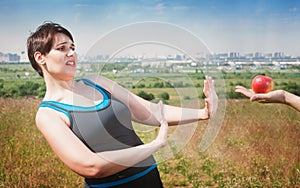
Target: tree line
{"points": [[38, 89]]}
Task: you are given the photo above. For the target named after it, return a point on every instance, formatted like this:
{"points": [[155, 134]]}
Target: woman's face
{"points": [[62, 59]]}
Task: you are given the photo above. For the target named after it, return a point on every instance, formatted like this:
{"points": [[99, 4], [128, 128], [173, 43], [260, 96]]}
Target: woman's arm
{"points": [[178, 115], [276, 96], [82, 160], [145, 112], [292, 100]]}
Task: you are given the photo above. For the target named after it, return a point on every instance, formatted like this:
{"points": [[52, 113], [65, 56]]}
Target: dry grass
{"points": [[258, 146], [26, 158]]}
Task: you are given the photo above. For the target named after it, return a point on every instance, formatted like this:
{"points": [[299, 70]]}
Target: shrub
{"points": [[158, 85], [146, 96], [164, 96]]}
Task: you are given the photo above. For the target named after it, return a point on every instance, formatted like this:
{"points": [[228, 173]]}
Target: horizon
{"points": [[264, 26]]}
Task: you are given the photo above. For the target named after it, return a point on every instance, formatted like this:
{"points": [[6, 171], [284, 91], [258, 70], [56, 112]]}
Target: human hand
{"points": [[276, 96], [211, 100], [161, 138]]}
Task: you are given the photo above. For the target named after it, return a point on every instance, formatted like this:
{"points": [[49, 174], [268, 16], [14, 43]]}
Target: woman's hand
{"points": [[276, 96], [211, 100], [161, 138]]}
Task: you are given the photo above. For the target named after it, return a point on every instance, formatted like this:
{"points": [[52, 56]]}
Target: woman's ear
{"points": [[39, 58]]}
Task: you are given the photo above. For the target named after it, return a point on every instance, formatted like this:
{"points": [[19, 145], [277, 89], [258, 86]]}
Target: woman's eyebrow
{"points": [[65, 42]]}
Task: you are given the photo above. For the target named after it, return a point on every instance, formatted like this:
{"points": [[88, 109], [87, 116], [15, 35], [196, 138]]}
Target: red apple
{"points": [[262, 84]]}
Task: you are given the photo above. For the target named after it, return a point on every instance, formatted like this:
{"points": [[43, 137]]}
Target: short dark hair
{"points": [[42, 41]]}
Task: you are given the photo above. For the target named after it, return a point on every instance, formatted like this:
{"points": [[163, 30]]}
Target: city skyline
{"points": [[226, 56], [224, 26]]}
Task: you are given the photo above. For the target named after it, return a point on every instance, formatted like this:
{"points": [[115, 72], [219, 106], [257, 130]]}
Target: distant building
{"points": [[3, 57], [219, 56], [278, 54], [258, 55], [13, 57], [9, 58], [234, 54]]}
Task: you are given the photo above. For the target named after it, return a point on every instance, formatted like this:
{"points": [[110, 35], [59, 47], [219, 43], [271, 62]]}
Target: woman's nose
{"points": [[71, 52]]}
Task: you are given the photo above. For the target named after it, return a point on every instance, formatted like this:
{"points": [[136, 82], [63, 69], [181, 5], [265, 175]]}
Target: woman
{"points": [[276, 96], [87, 122]]}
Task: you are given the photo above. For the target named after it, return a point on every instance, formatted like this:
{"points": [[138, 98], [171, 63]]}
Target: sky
{"points": [[243, 26]]}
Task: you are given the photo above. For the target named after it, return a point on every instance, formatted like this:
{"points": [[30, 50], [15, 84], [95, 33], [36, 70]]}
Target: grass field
{"points": [[258, 146]]}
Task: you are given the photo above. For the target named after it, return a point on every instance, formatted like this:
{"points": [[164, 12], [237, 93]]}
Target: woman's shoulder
{"points": [[45, 116], [102, 81]]}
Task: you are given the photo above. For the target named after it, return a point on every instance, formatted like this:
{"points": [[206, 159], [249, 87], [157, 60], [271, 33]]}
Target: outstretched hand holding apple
{"points": [[263, 94], [276, 96], [261, 91]]}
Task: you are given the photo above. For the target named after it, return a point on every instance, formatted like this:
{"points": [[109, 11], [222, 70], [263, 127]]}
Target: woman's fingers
{"points": [[211, 101], [163, 131], [247, 92]]}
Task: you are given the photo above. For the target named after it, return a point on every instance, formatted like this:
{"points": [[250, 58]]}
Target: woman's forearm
{"points": [[176, 115], [292, 100], [118, 160]]}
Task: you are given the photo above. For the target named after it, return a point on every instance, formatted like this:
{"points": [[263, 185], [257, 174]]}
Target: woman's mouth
{"points": [[71, 63]]}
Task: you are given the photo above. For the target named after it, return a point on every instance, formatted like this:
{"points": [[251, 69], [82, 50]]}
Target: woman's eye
{"points": [[65, 48], [62, 48]]}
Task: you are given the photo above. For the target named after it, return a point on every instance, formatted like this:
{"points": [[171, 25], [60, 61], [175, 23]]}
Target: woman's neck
{"points": [[57, 89]]}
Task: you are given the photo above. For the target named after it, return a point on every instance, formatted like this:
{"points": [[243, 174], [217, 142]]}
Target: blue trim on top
{"points": [[69, 107], [55, 108], [103, 104], [125, 180]]}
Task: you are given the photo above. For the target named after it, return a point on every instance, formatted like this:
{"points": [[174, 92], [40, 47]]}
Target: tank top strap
{"points": [[55, 106], [67, 108]]}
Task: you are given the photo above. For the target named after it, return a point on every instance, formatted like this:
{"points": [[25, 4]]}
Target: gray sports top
{"points": [[103, 127]]}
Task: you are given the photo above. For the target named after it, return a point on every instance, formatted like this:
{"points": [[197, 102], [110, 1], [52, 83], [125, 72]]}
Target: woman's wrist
{"points": [[203, 114], [288, 98], [285, 97], [292, 100]]}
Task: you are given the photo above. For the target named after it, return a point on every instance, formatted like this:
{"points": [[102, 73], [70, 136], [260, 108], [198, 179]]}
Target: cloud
{"points": [[294, 9], [79, 5], [178, 8], [159, 8]]}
